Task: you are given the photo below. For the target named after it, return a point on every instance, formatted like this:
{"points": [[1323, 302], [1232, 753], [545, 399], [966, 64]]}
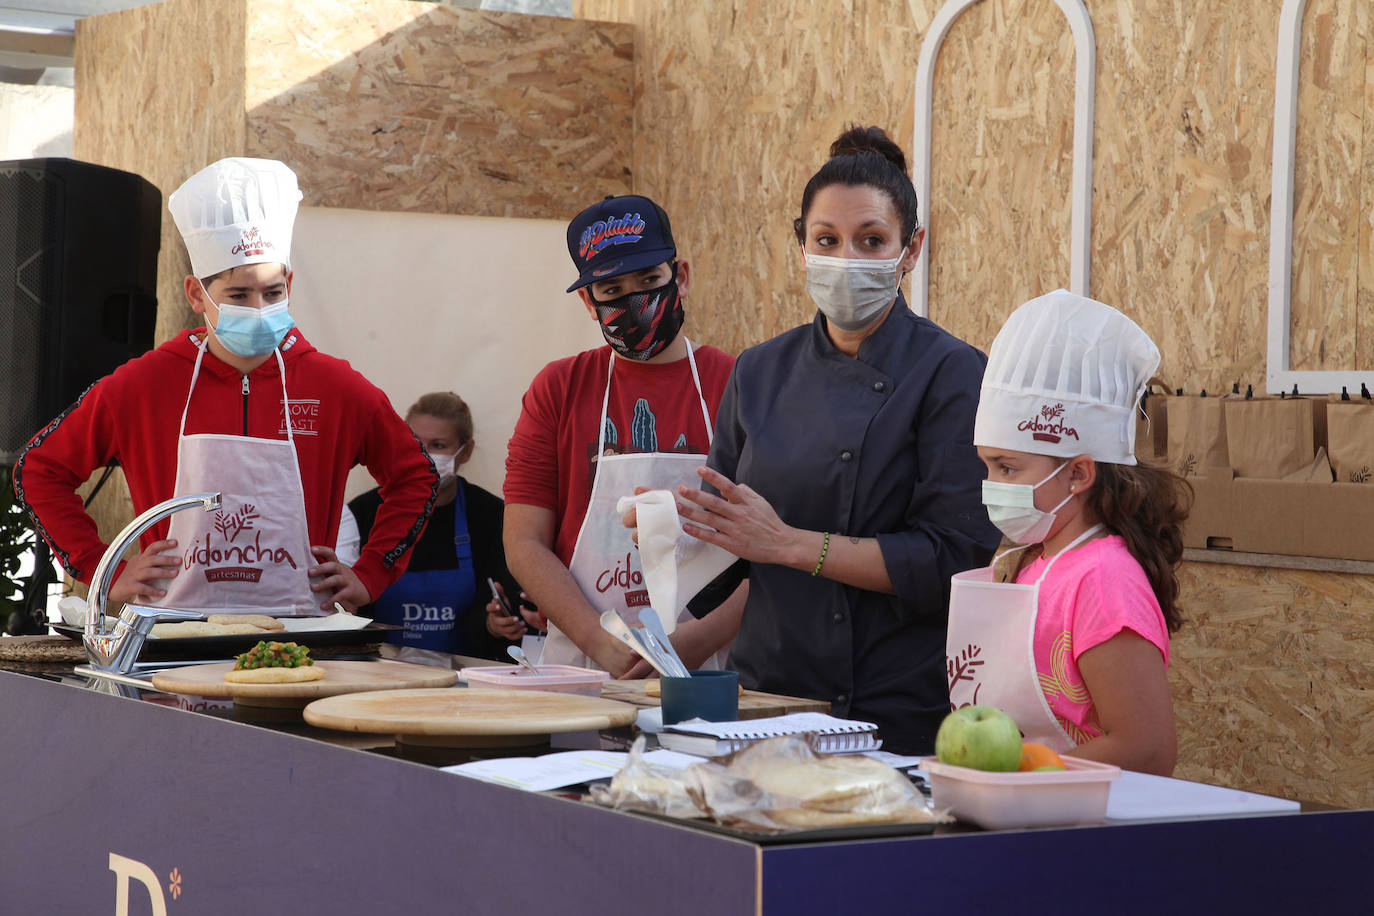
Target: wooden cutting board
{"points": [[468, 712], [340, 677], [753, 704]]}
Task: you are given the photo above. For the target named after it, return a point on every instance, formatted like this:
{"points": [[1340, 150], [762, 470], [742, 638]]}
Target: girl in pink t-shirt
{"points": [[1069, 632]]}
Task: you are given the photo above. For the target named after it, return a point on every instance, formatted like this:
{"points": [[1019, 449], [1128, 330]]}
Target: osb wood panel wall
{"points": [[417, 107], [1273, 682], [389, 105], [737, 101], [1333, 212], [160, 92]]}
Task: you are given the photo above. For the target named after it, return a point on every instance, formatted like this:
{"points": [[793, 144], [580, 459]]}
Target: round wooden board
{"points": [[468, 712], [340, 677]]}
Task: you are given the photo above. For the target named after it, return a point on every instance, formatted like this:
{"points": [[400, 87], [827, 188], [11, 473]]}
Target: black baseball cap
{"points": [[618, 235]]}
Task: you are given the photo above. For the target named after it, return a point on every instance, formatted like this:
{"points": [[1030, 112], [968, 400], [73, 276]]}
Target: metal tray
{"points": [[801, 835], [210, 647]]}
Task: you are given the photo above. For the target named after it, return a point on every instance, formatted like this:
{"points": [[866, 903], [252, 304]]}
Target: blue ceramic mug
{"points": [[709, 695]]}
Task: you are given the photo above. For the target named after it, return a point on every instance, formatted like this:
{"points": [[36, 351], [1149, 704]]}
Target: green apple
{"points": [[981, 737]]}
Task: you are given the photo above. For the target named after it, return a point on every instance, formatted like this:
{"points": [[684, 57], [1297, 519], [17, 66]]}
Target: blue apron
{"points": [[430, 604]]}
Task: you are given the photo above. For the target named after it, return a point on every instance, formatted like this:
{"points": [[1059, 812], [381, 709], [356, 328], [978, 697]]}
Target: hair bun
{"points": [[858, 139]]}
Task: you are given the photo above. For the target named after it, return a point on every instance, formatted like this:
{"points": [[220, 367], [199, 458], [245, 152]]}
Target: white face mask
{"points": [[443, 464], [1011, 507], [851, 292]]}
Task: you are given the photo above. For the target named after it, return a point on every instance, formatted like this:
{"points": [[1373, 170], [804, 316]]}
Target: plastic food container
{"points": [[553, 678], [1006, 801]]}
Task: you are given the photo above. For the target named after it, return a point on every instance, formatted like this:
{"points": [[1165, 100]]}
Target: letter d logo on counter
{"points": [[127, 870]]}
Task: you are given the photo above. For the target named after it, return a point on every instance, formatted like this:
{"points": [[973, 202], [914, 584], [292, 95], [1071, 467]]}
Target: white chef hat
{"points": [[235, 212], [1064, 378]]}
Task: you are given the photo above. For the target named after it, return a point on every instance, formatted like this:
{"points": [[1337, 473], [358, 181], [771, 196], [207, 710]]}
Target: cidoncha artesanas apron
{"points": [[990, 649], [604, 563], [250, 555]]}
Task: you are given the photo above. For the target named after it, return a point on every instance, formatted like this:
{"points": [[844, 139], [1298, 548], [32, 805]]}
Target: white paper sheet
{"points": [[1140, 796], [554, 771], [331, 622]]}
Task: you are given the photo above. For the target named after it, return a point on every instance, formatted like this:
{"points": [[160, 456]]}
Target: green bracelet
{"points": [[825, 548]]}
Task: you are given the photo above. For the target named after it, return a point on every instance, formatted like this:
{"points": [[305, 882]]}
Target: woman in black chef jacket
{"points": [[845, 460], [441, 598]]}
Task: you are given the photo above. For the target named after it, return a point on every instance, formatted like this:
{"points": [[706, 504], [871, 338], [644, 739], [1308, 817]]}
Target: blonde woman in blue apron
{"points": [[440, 599], [1068, 629]]}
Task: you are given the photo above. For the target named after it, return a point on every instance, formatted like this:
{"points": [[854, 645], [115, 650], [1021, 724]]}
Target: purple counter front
{"points": [[109, 805]]}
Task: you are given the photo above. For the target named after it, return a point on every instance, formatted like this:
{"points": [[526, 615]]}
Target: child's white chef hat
{"points": [[235, 212], [1064, 378]]}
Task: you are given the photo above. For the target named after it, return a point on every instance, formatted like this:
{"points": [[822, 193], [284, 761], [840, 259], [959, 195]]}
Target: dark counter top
{"points": [[103, 791]]}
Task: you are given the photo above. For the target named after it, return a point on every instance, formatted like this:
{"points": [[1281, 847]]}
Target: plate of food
{"points": [[223, 635]]}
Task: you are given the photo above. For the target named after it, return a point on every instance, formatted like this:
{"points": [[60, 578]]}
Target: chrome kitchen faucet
{"points": [[117, 650]]}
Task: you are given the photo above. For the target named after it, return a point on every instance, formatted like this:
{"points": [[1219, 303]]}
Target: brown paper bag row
{"points": [[1265, 437]]}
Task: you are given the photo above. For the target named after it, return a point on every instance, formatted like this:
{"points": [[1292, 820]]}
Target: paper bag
{"points": [[674, 563], [1196, 435], [1319, 471], [1350, 437], [1152, 424], [1269, 437]]}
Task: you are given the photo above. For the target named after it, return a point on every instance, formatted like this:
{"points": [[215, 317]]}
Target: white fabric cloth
{"points": [[676, 565], [1064, 378], [236, 211]]}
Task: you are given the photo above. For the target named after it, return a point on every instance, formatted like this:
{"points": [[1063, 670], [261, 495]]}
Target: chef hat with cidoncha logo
{"points": [[237, 211], [1064, 378]]}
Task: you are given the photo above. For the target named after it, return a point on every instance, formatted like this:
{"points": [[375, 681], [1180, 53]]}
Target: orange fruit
{"points": [[1034, 756]]}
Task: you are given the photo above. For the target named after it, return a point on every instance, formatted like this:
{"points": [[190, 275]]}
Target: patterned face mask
{"points": [[639, 326]]}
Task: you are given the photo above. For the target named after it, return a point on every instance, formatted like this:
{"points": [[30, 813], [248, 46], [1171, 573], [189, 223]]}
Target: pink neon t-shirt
{"points": [[1092, 593]]}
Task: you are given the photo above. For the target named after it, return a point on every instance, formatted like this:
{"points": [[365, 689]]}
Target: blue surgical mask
{"points": [[250, 332]]}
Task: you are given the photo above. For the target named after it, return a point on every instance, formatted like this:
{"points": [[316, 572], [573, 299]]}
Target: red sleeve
{"points": [[408, 486], [533, 453], [57, 460]]}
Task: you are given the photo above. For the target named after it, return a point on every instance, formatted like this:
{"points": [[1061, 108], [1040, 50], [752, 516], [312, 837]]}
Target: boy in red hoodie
{"points": [[244, 406]]}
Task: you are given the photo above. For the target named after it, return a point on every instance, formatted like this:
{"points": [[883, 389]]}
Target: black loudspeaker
{"points": [[78, 284]]}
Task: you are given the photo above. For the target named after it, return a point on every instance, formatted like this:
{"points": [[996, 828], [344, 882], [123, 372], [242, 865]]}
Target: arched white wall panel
{"points": [[1085, 81]]}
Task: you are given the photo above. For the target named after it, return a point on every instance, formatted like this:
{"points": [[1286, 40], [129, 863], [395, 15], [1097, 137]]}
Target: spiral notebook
{"points": [[712, 739]]}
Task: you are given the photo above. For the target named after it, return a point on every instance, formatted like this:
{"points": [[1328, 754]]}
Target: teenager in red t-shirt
{"points": [[638, 411]]}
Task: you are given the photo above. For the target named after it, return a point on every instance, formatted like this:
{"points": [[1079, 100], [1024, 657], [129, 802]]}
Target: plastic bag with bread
{"points": [[774, 785]]}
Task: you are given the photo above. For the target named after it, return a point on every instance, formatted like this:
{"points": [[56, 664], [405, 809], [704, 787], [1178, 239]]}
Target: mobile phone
{"points": [[501, 599]]}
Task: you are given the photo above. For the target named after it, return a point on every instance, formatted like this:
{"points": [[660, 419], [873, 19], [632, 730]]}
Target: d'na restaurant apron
{"points": [[990, 649], [430, 603], [250, 555], [604, 563]]}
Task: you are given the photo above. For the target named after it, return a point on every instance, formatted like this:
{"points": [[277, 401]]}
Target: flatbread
{"points": [[275, 675], [832, 783], [262, 621], [204, 628]]}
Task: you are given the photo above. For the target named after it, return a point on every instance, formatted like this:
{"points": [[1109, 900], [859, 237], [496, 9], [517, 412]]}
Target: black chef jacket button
{"points": [[842, 698], [839, 617], [880, 387], [846, 455]]}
